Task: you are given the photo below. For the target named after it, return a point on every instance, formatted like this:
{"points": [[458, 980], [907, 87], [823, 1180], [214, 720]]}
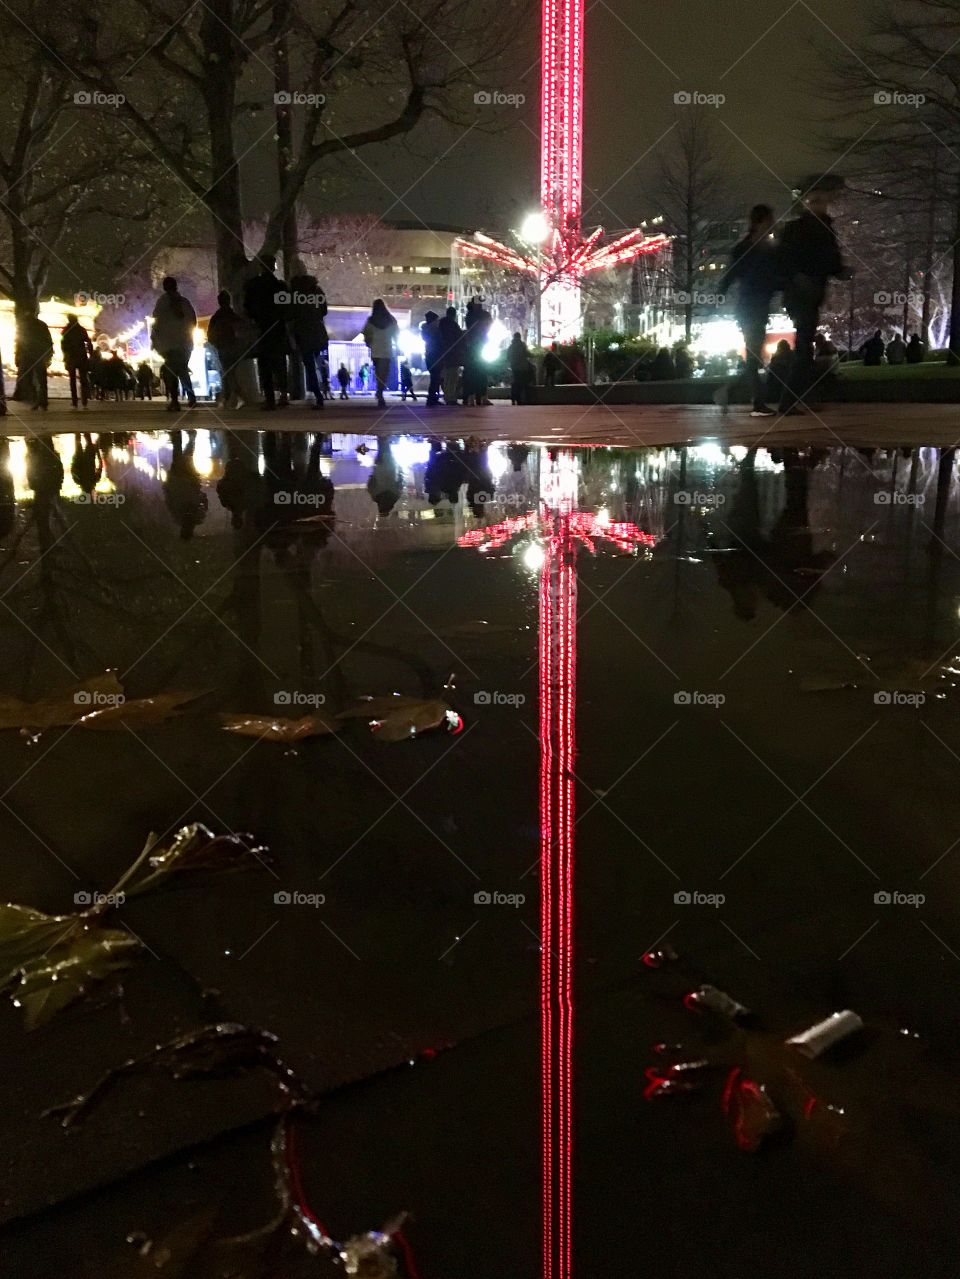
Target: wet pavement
{"points": [[764, 646]]}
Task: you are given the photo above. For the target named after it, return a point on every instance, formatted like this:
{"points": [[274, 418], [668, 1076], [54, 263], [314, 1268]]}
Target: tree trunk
{"points": [[223, 199], [953, 351], [929, 248]]}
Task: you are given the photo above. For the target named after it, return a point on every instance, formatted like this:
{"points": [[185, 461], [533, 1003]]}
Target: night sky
{"points": [[640, 52]]}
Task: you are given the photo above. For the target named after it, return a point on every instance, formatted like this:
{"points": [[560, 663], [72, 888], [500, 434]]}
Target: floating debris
{"points": [[751, 1112], [710, 999], [277, 728], [659, 956], [816, 1040]]}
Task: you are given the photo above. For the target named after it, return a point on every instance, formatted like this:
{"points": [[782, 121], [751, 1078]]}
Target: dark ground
{"points": [[796, 805]]}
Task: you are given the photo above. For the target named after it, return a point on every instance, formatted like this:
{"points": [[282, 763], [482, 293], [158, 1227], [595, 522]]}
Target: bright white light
{"points": [[497, 460], [719, 337], [533, 556], [535, 228], [496, 339], [410, 452], [410, 342]]}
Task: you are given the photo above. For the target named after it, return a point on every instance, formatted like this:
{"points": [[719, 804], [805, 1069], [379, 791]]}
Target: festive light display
{"points": [[562, 530], [567, 256]]}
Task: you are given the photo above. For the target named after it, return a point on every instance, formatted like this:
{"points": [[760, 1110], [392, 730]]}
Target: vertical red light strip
{"points": [[548, 111], [546, 907]]}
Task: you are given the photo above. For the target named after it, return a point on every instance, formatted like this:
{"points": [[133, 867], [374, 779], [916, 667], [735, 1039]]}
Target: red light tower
{"points": [[566, 256]]}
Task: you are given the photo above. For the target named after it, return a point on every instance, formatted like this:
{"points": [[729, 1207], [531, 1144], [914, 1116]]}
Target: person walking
{"points": [[34, 351], [266, 302], [309, 307], [809, 255], [174, 321], [451, 353], [433, 354], [380, 334], [225, 335], [343, 377], [406, 382], [754, 270], [518, 358], [872, 351], [77, 349]]}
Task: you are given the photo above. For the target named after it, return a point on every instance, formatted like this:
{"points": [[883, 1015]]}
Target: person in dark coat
{"points": [[476, 333], [754, 269], [451, 339], [266, 302], [77, 348], [809, 256], [663, 369], [433, 354], [406, 381], [518, 358], [896, 350], [33, 354], [343, 377], [225, 335], [915, 349], [872, 350], [309, 330], [551, 366]]}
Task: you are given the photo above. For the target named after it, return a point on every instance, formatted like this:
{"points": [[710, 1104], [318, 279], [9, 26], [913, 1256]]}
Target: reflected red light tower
{"points": [[567, 256], [561, 530]]}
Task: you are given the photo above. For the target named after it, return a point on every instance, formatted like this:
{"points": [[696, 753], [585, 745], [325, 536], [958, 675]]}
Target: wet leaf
{"points": [[140, 712], [397, 719], [196, 847], [61, 709], [277, 728], [87, 957], [25, 935]]}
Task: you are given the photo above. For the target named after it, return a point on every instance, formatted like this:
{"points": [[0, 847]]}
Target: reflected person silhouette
{"points": [[182, 490], [8, 500], [241, 489], [86, 467], [385, 484]]}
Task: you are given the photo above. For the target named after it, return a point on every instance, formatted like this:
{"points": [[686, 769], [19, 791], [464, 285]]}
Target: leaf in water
{"points": [[410, 721], [276, 728], [25, 935], [140, 712], [63, 708], [68, 971], [377, 707], [195, 847]]}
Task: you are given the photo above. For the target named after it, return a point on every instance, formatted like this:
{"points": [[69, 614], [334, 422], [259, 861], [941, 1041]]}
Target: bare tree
{"points": [[197, 80], [692, 191]]}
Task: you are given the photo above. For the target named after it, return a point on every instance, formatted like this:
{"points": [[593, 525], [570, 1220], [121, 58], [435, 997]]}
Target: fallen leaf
{"points": [[63, 708], [276, 728], [378, 707], [410, 721], [140, 712], [50, 982], [25, 935], [195, 847]]}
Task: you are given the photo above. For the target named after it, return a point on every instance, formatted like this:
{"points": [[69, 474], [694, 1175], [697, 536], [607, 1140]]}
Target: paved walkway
{"points": [[859, 425]]}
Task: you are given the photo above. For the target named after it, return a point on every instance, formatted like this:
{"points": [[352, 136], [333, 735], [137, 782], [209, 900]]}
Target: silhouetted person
{"points": [[386, 479], [225, 333], [241, 488], [809, 256], [86, 467], [174, 322], [518, 359], [896, 350], [476, 334], [406, 381], [754, 269], [380, 334], [77, 349], [433, 354], [451, 338], [551, 366], [8, 500], [915, 350], [265, 301], [663, 369], [310, 332], [872, 351], [343, 377], [683, 363], [183, 490], [33, 354]]}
